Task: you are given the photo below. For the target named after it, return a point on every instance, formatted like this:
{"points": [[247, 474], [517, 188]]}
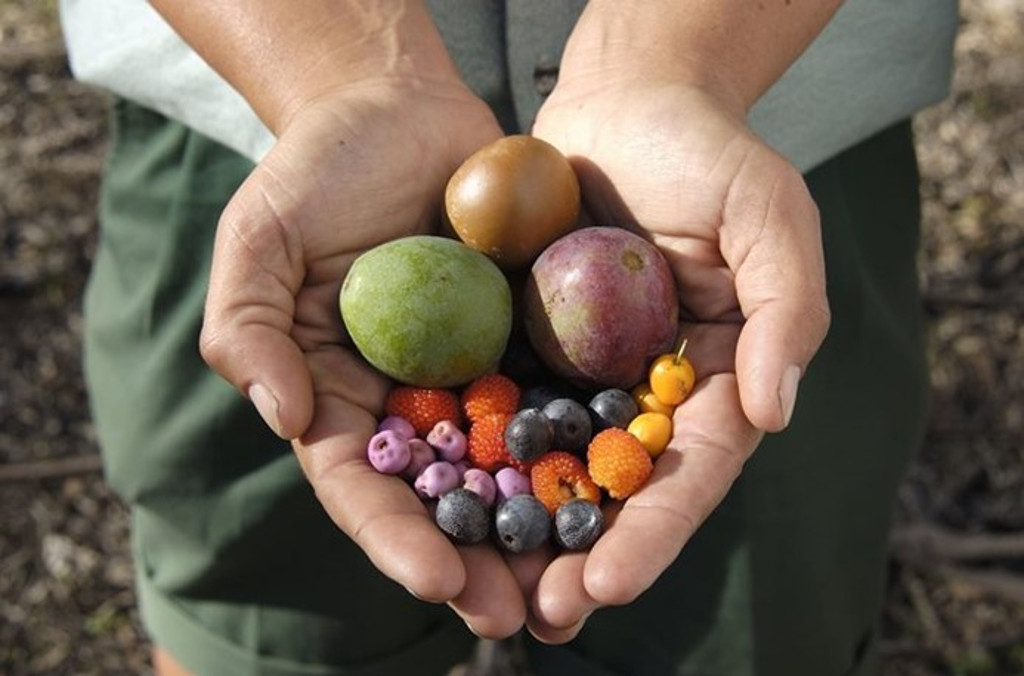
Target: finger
{"points": [[527, 568], [771, 239], [381, 514], [255, 275], [711, 441], [491, 603], [560, 603], [710, 348]]}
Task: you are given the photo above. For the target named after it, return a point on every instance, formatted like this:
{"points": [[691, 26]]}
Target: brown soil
{"points": [[956, 601]]}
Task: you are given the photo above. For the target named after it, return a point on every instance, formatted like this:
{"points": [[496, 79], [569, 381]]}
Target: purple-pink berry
{"points": [[448, 440], [510, 482], [422, 454], [462, 466], [398, 424], [481, 483], [436, 479], [388, 452]]}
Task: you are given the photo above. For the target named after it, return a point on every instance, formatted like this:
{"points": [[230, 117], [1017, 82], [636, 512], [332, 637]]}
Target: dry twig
{"points": [[50, 468]]}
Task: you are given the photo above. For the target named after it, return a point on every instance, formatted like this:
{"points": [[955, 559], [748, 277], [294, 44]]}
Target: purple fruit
{"points": [[436, 479], [600, 303], [397, 424], [388, 452], [481, 483], [578, 524], [462, 515], [448, 440], [422, 454], [522, 523], [511, 482], [571, 422], [529, 435], [612, 408]]}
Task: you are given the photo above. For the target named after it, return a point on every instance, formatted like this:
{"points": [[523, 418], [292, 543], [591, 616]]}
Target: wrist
{"points": [[395, 54], [281, 55], [733, 50]]}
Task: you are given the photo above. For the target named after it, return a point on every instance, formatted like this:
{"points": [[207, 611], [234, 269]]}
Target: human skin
{"points": [[356, 165]]}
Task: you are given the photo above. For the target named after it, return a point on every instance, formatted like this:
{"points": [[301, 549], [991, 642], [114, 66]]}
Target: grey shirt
{"points": [[877, 62]]}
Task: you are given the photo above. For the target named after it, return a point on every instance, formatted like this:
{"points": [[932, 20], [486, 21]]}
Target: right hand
{"points": [[352, 168]]}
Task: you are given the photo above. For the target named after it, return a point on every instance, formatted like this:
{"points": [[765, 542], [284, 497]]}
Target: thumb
{"points": [[255, 275], [771, 239]]}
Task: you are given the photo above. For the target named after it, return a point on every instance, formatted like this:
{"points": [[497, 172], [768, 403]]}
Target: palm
{"points": [[740, 232], [348, 173]]}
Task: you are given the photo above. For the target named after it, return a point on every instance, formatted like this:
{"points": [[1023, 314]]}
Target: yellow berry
{"points": [[672, 377], [647, 402], [653, 430]]}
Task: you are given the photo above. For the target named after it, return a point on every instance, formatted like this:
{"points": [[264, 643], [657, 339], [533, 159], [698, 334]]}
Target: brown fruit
{"points": [[512, 198]]}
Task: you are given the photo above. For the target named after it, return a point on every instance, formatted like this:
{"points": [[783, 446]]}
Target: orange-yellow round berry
{"points": [[672, 378], [654, 430], [618, 462], [648, 403]]}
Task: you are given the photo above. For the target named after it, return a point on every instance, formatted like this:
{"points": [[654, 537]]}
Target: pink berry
{"points": [[422, 455], [388, 452], [481, 483], [398, 424], [437, 479], [462, 466], [509, 482], [448, 440]]}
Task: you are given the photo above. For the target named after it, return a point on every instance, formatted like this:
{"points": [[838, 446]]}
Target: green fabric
{"points": [[241, 573]]}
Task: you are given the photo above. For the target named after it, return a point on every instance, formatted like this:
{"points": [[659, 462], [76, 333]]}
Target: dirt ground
{"points": [[956, 597]]}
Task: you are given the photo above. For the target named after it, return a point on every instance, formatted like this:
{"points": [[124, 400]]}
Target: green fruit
{"points": [[427, 311]]}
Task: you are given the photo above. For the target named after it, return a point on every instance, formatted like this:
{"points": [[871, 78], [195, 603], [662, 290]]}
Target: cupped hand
{"points": [[350, 170], [741, 233]]}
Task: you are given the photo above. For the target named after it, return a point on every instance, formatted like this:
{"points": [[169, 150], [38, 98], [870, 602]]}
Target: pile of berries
{"points": [[528, 465]]}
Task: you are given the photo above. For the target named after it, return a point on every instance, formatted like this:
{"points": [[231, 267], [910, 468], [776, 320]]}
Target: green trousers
{"points": [[241, 573]]}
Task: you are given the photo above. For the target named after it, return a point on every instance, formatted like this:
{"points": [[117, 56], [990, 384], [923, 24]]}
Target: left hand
{"points": [[741, 232]]}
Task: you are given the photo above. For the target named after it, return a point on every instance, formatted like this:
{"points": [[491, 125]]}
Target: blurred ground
{"points": [[956, 602]]}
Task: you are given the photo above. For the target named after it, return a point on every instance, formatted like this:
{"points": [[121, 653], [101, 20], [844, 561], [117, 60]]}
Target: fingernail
{"points": [[413, 594], [267, 406], [787, 392]]}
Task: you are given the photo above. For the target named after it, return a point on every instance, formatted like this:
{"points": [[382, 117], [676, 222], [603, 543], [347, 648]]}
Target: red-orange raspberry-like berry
{"points": [[618, 462], [485, 443], [490, 393], [423, 407], [557, 477]]}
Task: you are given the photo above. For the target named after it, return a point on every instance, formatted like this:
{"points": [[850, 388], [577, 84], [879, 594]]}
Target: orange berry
{"points": [[672, 377], [485, 443], [490, 393], [424, 407], [648, 403], [618, 462], [557, 477], [654, 430]]}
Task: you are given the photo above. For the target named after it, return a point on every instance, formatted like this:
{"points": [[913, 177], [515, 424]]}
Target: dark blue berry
{"points": [[529, 434], [578, 524], [522, 523], [538, 396], [463, 516], [612, 408], [571, 422]]}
